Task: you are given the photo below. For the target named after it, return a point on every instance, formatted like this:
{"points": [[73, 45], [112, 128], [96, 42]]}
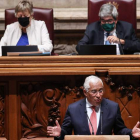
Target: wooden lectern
{"points": [[97, 137]]}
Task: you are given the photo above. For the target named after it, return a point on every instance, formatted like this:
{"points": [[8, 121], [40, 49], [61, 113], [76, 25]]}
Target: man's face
{"points": [[108, 23], [108, 19], [95, 93]]}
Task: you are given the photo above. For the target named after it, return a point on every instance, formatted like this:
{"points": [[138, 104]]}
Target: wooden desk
{"points": [[69, 65], [34, 91]]}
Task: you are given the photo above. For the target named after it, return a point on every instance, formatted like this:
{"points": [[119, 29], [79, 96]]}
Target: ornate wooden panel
{"points": [[34, 91], [126, 92], [42, 104], [3, 110]]}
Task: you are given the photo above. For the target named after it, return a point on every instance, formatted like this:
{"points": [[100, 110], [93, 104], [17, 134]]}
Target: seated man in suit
{"points": [[111, 31], [93, 115]]}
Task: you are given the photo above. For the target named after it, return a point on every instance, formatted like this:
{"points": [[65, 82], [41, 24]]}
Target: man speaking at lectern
{"points": [[93, 115], [108, 30]]}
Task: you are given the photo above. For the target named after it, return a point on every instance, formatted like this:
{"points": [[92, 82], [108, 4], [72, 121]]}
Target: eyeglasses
{"points": [[95, 92], [110, 21]]}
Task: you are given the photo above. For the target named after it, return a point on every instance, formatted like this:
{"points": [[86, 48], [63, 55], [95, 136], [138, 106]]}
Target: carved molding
{"points": [[77, 90], [40, 108], [125, 90]]}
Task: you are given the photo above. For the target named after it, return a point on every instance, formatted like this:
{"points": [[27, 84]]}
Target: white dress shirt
{"points": [[117, 45], [89, 111]]}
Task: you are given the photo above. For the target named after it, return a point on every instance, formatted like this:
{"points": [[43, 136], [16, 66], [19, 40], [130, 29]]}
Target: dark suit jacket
{"points": [[94, 34], [76, 119]]}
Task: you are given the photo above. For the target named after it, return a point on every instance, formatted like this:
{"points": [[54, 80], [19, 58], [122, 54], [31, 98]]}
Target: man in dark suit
{"points": [[110, 30], [93, 115]]}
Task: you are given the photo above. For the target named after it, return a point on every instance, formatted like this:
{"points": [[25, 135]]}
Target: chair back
{"points": [[126, 10]]}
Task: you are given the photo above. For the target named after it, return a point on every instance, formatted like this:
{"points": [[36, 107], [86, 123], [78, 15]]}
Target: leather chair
{"points": [[39, 14], [126, 9]]}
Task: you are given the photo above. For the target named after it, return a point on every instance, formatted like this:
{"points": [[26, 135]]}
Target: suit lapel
{"points": [[16, 35], [83, 115], [119, 31], [101, 35], [103, 116]]}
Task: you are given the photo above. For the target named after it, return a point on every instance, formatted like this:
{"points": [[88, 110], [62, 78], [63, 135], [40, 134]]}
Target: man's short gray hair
{"points": [[93, 79], [108, 10]]}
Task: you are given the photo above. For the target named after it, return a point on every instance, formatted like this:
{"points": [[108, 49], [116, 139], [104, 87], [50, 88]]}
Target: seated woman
{"points": [[27, 31]]}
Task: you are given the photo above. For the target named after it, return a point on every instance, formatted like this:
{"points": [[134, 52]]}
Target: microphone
{"points": [[90, 123], [120, 43], [101, 112]]}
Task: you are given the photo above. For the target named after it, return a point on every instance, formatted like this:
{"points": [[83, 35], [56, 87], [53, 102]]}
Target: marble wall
{"points": [[47, 3], [51, 3], [138, 3]]}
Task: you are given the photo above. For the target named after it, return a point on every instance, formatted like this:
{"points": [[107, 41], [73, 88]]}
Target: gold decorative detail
{"points": [[115, 4]]}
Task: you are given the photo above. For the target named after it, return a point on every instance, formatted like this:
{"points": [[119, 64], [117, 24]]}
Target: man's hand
{"points": [[114, 39], [54, 131], [136, 130]]}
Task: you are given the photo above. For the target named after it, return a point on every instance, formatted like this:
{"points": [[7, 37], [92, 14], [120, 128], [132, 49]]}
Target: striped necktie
{"points": [[93, 120], [107, 42]]}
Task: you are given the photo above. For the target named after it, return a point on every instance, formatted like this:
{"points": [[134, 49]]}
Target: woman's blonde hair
{"points": [[24, 5]]}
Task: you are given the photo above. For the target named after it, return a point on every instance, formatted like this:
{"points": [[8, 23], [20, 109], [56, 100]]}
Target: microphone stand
{"points": [[90, 123], [101, 122]]}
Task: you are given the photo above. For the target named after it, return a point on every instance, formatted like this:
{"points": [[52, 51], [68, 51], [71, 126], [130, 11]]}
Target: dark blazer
{"points": [[94, 34], [76, 119]]}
